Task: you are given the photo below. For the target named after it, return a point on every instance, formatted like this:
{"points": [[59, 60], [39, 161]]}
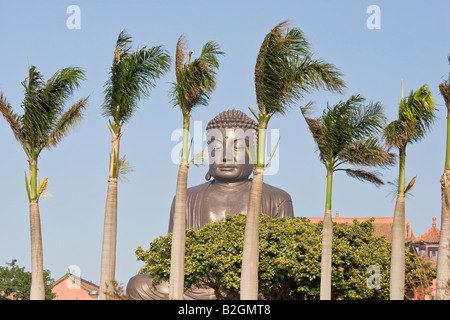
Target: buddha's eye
{"points": [[214, 145], [239, 144]]}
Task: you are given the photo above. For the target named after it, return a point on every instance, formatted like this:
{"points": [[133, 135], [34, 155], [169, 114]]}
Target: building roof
{"points": [[382, 225], [431, 236], [71, 287], [84, 284]]}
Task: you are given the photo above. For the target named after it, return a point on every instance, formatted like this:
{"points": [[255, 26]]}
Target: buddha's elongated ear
{"points": [[208, 176]]}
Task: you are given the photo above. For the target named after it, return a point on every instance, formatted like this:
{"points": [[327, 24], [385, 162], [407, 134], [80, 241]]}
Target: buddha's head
{"points": [[227, 135]]}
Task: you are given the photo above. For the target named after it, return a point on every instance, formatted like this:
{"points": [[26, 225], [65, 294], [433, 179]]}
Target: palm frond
{"points": [[315, 127], [210, 52], [398, 133], [444, 89], [318, 74], [124, 168], [31, 85], [369, 119], [364, 175], [367, 152], [132, 76], [12, 118], [394, 189], [123, 46], [196, 79], [199, 158], [44, 102], [33, 111], [340, 125], [62, 85], [418, 109], [284, 70], [68, 120], [347, 132]]}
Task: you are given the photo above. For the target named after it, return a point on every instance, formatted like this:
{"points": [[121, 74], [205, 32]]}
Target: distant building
{"points": [[71, 287], [382, 225], [426, 245]]}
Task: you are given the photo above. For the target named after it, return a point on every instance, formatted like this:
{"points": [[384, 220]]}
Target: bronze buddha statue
{"points": [[227, 194]]}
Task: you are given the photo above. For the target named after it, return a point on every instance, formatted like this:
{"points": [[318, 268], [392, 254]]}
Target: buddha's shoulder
{"points": [[270, 191], [201, 188]]}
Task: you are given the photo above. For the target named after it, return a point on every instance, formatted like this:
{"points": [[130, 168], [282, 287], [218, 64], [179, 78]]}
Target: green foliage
{"points": [[44, 122], [285, 71], [15, 283], [196, 79], [289, 261], [415, 118], [347, 133], [133, 74]]}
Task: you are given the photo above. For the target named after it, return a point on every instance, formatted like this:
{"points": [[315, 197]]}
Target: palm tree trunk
{"points": [[37, 291], [108, 260], [443, 259], [397, 281], [397, 275], [327, 243], [250, 253], [179, 236], [176, 284]]}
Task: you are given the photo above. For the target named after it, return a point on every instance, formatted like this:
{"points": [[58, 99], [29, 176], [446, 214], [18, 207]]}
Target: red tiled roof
{"points": [[382, 225], [431, 236], [70, 287]]}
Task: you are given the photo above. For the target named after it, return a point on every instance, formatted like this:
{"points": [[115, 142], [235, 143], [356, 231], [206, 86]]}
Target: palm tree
{"points": [[443, 260], [133, 74], [43, 124], [285, 70], [195, 81], [345, 134], [415, 118]]}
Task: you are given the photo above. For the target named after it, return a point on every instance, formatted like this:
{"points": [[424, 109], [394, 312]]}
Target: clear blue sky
{"points": [[412, 44]]}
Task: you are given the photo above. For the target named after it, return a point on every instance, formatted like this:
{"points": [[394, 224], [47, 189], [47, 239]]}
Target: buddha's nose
{"points": [[227, 155], [227, 158]]}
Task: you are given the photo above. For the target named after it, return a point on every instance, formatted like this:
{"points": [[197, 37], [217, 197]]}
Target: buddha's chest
{"points": [[219, 204]]}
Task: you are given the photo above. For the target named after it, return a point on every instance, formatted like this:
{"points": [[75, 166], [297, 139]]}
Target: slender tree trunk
{"points": [[108, 260], [327, 243], [397, 275], [179, 236], [250, 254], [443, 259], [177, 259], [397, 281], [37, 291]]}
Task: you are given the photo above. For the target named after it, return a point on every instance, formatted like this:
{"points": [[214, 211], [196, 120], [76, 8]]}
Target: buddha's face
{"points": [[228, 158]]}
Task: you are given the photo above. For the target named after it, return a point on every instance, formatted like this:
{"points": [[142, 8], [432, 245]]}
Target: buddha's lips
{"points": [[227, 168]]}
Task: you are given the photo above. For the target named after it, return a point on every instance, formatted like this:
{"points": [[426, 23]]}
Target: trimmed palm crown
{"points": [[347, 134]]}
